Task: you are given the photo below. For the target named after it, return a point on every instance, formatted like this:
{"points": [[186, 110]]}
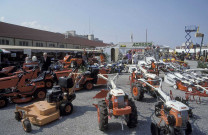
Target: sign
{"points": [[28, 52], [13, 55], [122, 45], [142, 44]]}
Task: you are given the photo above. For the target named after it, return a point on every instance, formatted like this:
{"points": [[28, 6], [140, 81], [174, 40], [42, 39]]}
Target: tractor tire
{"points": [[188, 130], [137, 92], [131, 119], [66, 108], [155, 130], [48, 84], [18, 116], [3, 102], [40, 94], [88, 85], [102, 112], [26, 125]]}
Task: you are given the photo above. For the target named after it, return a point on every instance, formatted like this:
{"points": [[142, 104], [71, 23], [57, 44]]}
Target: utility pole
{"points": [[146, 36]]}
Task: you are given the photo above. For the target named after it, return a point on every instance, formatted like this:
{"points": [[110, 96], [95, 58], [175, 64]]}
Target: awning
{"points": [[4, 51]]}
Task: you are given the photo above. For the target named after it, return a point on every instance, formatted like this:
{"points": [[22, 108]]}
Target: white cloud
{"points": [[35, 24], [2, 18]]}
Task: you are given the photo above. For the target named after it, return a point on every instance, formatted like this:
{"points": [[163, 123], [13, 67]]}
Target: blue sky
{"points": [[112, 20]]}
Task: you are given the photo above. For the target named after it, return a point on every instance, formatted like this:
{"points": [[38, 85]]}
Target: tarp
{"points": [[4, 51]]}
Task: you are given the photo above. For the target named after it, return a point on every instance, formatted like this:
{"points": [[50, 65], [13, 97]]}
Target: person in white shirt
{"points": [[135, 58]]}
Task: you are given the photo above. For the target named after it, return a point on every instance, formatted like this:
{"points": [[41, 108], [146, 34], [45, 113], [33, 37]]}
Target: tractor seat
{"points": [[40, 78]]}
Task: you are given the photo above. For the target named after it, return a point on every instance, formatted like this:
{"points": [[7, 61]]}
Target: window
{"points": [[61, 46], [20, 43], [7, 42], [39, 44], [3, 41], [51, 45], [76, 47], [23, 43]]}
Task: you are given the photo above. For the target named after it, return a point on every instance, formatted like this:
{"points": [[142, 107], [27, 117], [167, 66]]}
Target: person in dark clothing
{"points": [[46, 62], [182, 56]]}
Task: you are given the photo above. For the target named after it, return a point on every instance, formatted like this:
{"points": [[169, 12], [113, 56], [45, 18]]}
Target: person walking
{"points": [[46, 62]]}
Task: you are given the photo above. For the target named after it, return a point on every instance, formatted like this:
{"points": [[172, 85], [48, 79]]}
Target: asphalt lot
{"points": [[83, 121]]}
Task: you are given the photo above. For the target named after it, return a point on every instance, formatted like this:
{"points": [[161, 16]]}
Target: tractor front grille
{"points": [[184, 116], [121, 103]]}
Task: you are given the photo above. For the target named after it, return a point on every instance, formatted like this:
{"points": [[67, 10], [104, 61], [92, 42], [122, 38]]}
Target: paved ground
{"points": [[83, 121]]}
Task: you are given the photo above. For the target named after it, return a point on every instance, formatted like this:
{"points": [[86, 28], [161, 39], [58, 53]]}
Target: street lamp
{"points": [[202, 36]]}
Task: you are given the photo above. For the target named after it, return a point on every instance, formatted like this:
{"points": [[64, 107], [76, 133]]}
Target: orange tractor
{"points": [[20, 88], [115, 103], [16, 90], [58, 103], [173, 114], [74, 60], [48, 78], [90, 78], [138, 88]]}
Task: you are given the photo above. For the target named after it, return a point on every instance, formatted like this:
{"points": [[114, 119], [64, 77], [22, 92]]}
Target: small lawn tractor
{"points": [[59, 102], [48, 78], [174, 115], [116, 103], [138, 88], [90, 78], [15, 89], [75, 60]]}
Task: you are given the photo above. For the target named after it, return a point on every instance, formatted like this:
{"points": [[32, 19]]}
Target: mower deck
{"points": [[42, 112]]}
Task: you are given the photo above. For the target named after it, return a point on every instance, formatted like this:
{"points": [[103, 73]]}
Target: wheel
{"points": [[40, 94], [102, 112], [3, 102], [190, 89], [66, 108], [188, 130], [131, 119], [88, 85], [48, 84], [26, 125], [175, 86], [154, 129], [137, 92], [18, 115]]}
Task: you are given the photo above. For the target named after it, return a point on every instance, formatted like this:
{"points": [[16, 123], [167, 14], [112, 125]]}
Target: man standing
{"points": [[46, 61], [182, 56], [128, 55]]}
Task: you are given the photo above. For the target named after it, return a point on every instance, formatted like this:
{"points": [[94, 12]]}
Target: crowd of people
{"points": [[132, 56]]}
